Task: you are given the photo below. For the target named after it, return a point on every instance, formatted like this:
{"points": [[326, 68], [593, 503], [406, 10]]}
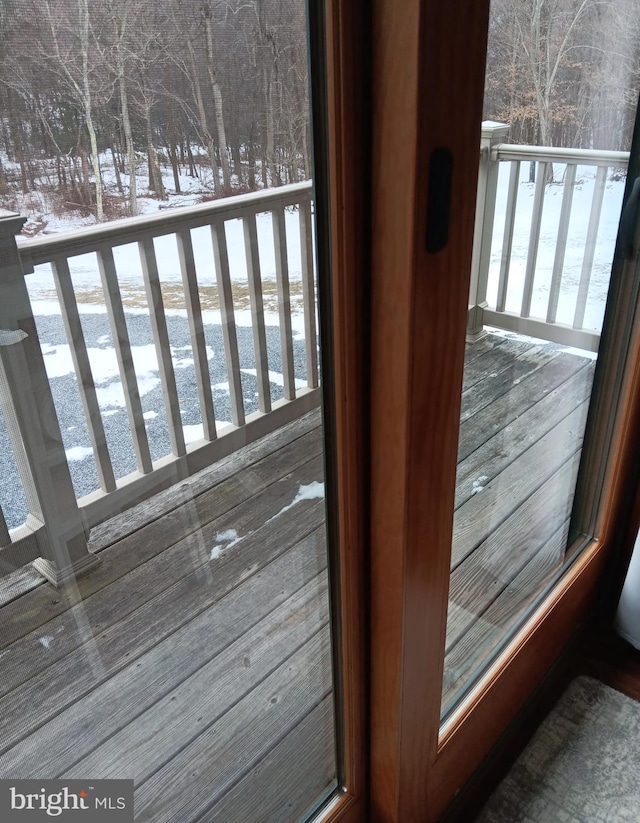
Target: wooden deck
{"points": [[196, 658]]}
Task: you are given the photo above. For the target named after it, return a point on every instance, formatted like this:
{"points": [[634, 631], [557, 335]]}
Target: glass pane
{"points": [[560, 102], [164, 403]]}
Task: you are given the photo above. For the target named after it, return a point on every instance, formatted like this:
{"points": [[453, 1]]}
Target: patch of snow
{"points": [[10, 336], [46, 641], [113, 394], [183, 362], [76, 453], [276, 378], [150, 415], [478, 485], [193, 432], [591, 355], [229, 537], [312, 491], [226, 536]]}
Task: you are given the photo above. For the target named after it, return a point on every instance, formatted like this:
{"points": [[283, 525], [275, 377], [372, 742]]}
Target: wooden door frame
{"points": [[419, 305], [339, 72]]}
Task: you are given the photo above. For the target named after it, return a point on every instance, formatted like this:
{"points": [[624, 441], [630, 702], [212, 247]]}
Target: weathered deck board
{"points": [[478, 581], [240, 639], [487, 633], [493, 362], [67, 679], [262, 796], [475, 431], [244, 734], [500, 380], [479, 347], [503, 493], [151, 739], [41, 605], [117, 608], [106, 534], [504, 445], [57, 745]]}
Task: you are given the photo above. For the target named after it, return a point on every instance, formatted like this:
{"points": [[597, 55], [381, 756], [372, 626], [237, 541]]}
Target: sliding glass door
{"points": [[179, 484], [505, 328]]}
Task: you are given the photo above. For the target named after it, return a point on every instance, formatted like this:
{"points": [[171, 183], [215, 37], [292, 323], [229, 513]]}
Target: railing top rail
{"points": [[582, 157], [130, 229]]}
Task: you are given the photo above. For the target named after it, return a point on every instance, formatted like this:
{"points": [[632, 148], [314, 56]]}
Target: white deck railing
{"points": [[57, 524], [487, 245], [56, 528]]}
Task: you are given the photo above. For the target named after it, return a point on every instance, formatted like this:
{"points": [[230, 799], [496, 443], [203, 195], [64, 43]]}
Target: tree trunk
{"points": [[252, 160], [204, 128], [16, 139], [171, 134], [86, 196], [95, 162], [217, 103], [116, 169], [155, 175], [88, 115], [193, 171], [128, 135], [237, 161]]}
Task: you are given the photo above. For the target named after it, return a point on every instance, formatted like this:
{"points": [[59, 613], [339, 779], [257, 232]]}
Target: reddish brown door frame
{"points": [[428, 64], [428, 74], [341, 131]]}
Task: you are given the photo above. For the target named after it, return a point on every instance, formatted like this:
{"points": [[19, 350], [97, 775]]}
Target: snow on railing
{"points": [[544, 271], [150, 239]]}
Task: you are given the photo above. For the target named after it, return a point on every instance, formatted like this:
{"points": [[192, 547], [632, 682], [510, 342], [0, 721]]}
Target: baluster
{"points": [[492, 135], [82, 366], [32, 424], [308, 292], [561, 243], [5, 538], [507, 240], [590, 247], [227, 318], [196, 330], [257, 312], [534, 239], [284, 303], [163, 347], [122, 345]]}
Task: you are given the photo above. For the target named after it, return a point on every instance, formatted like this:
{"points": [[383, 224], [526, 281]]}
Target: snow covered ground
{"points": [[580, 211], [86, 281]]}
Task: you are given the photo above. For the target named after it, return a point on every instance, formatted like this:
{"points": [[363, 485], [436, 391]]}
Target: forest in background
{"points": [[108, 107], [564, 72], [100, 97]]}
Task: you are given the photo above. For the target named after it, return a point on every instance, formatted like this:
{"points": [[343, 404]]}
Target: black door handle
{"points": [[628, 231], [439, 199]]}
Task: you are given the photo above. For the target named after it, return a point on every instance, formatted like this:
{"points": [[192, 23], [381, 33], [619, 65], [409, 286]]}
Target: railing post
{"points": [[492, 135], [32, 423]]}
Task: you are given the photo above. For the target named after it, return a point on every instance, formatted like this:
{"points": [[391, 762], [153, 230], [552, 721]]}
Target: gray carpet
{"points": [[583, 763]]}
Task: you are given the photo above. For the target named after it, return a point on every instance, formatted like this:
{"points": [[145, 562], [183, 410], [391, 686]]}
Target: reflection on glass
{"points": [[552, 176], [164, 404]]}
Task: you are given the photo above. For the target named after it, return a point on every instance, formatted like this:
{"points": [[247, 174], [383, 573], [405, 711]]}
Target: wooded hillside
{"points": [[564, 72], [104, 102], [216, 88]]}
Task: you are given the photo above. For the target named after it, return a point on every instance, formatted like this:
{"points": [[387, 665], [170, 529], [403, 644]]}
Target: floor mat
{"points": [[583, 763]]}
